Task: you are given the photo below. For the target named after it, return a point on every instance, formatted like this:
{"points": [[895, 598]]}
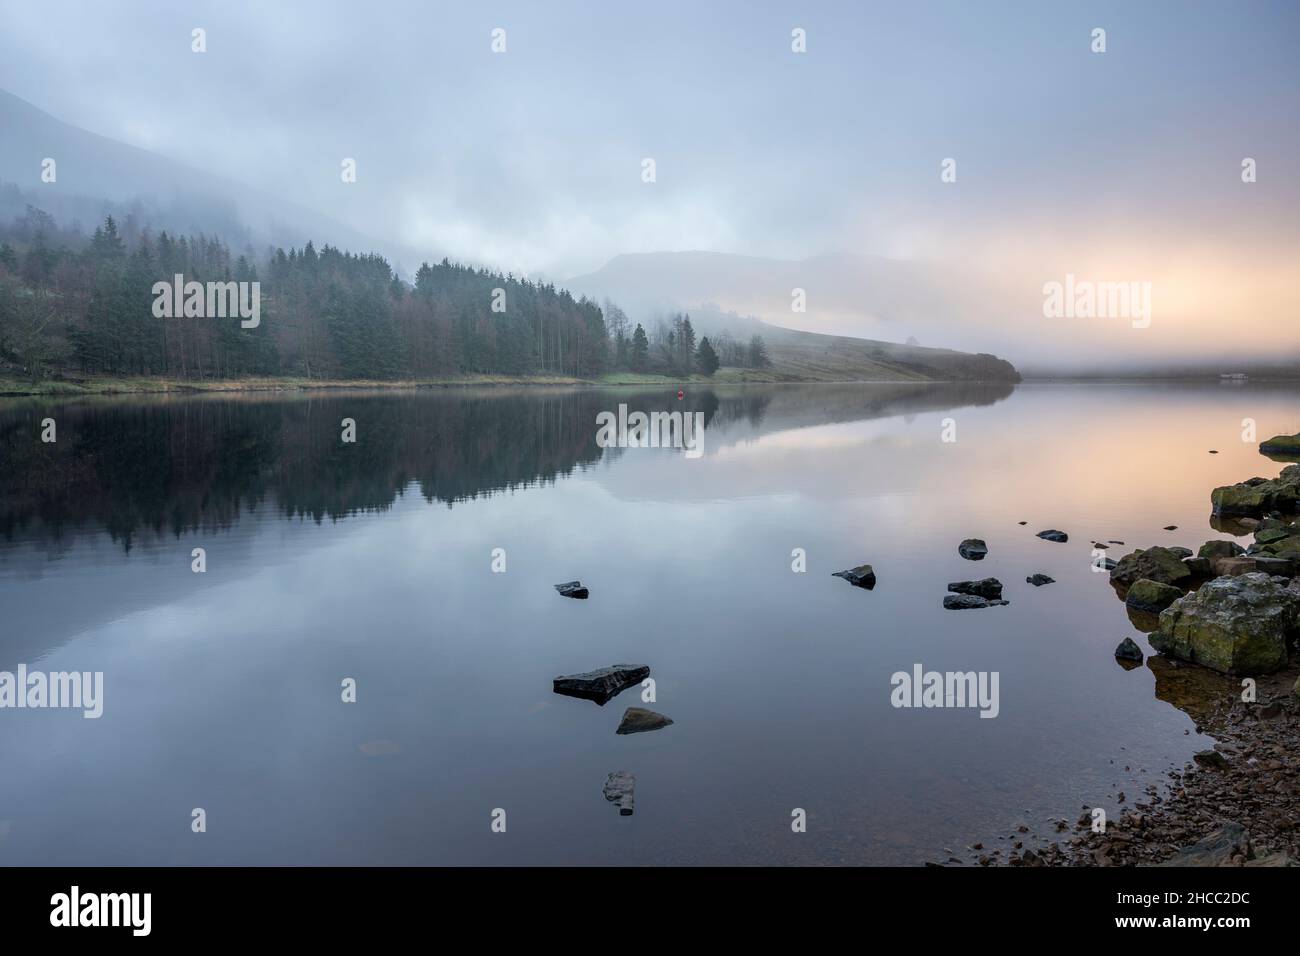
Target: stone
{"points": [[1287, 446], [1155, 564], [1259, 496], [1211, 760], [1220, 549], [1128, 650], [863, 576], [572, 589], [1218, 849], [987, 588], [973, 549], [1235, 625], [964, 602], [1152, 596], [1038, 580], [638, 720], [619, 789], [601, 685], [1053, 535]]}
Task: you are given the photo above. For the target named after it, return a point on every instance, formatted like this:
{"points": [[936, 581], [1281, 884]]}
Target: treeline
{"points": [[72, 302], [671, 347]]}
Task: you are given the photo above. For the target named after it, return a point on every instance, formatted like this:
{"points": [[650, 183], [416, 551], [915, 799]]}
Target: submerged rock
{"points": [[965, 602], [638, 720], [572, 589], [1053, 535], [1038, 580], [863, 576], [1235, 625], [601, 685], [618, 789], [973, 549], [987, 588], [1128, 650], [1152, 596], [1155, 564]]}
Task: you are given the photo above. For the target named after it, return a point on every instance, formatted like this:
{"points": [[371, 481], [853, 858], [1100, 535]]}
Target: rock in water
{"points": [[1128, 650], [1038, 580], [1053, 535], [1281, 446], [572, 589], [965, 602], [1235, 625], [618, 789], [860, 577], [1155, 564], [1151, 596], [973, 549], [987, 588], [601, 685], [1258, 496], [637, 720]]}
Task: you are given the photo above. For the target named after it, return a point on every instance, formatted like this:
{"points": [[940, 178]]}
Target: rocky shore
{"points": [[1225, 622]]}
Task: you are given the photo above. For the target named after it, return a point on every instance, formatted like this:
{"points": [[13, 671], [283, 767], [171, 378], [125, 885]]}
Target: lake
{"points": [[374, 560]]}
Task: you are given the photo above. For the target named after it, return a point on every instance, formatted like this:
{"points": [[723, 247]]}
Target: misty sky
{"points": [[1124, 164]]}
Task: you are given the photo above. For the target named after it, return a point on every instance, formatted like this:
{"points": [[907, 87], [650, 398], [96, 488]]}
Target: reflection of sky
{"points": [[221, 691]]}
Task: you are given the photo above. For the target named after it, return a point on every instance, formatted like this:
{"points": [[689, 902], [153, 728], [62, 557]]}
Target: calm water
{"points": [[373, 561]]}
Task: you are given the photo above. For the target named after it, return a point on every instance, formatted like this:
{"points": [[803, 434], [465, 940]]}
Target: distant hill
{"points": [[99, 176]]}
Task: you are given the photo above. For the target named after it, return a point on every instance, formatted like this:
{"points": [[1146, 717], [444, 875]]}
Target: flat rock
{"points": [[863, 576], [1038, 580], [601, 685], [966, 602], [988, 588], [973, 549], [619, 789], [572, 589], [1053, 535], [1223, 847], [1281, 446], [638, 720]]}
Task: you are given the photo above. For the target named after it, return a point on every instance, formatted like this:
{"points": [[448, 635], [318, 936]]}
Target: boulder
{"points": [[973, 549], [1259, 496], [1038, 580], [1199, 566], [572, 589], [988, 588], [1235, 625], [638, 720], [1155, 564], [863, 576], [1232, 567], [601, 685], [1053, 535], [966, 602], [1285, 446], [1152, 596], [1214, 550], [1128, 650], [618, 789]]}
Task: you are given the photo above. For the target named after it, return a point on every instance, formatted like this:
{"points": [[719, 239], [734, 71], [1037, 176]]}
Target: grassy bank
{"points": [[154, 385]]}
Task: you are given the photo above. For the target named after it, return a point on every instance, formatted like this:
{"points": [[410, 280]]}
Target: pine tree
{"points": [[640, 350], [705, 358]]}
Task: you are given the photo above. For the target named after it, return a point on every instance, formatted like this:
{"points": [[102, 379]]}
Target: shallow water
{"points": [[373, 561]]}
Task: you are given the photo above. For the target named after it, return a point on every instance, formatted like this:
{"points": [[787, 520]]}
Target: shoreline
{"points": [[81, 388]]}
